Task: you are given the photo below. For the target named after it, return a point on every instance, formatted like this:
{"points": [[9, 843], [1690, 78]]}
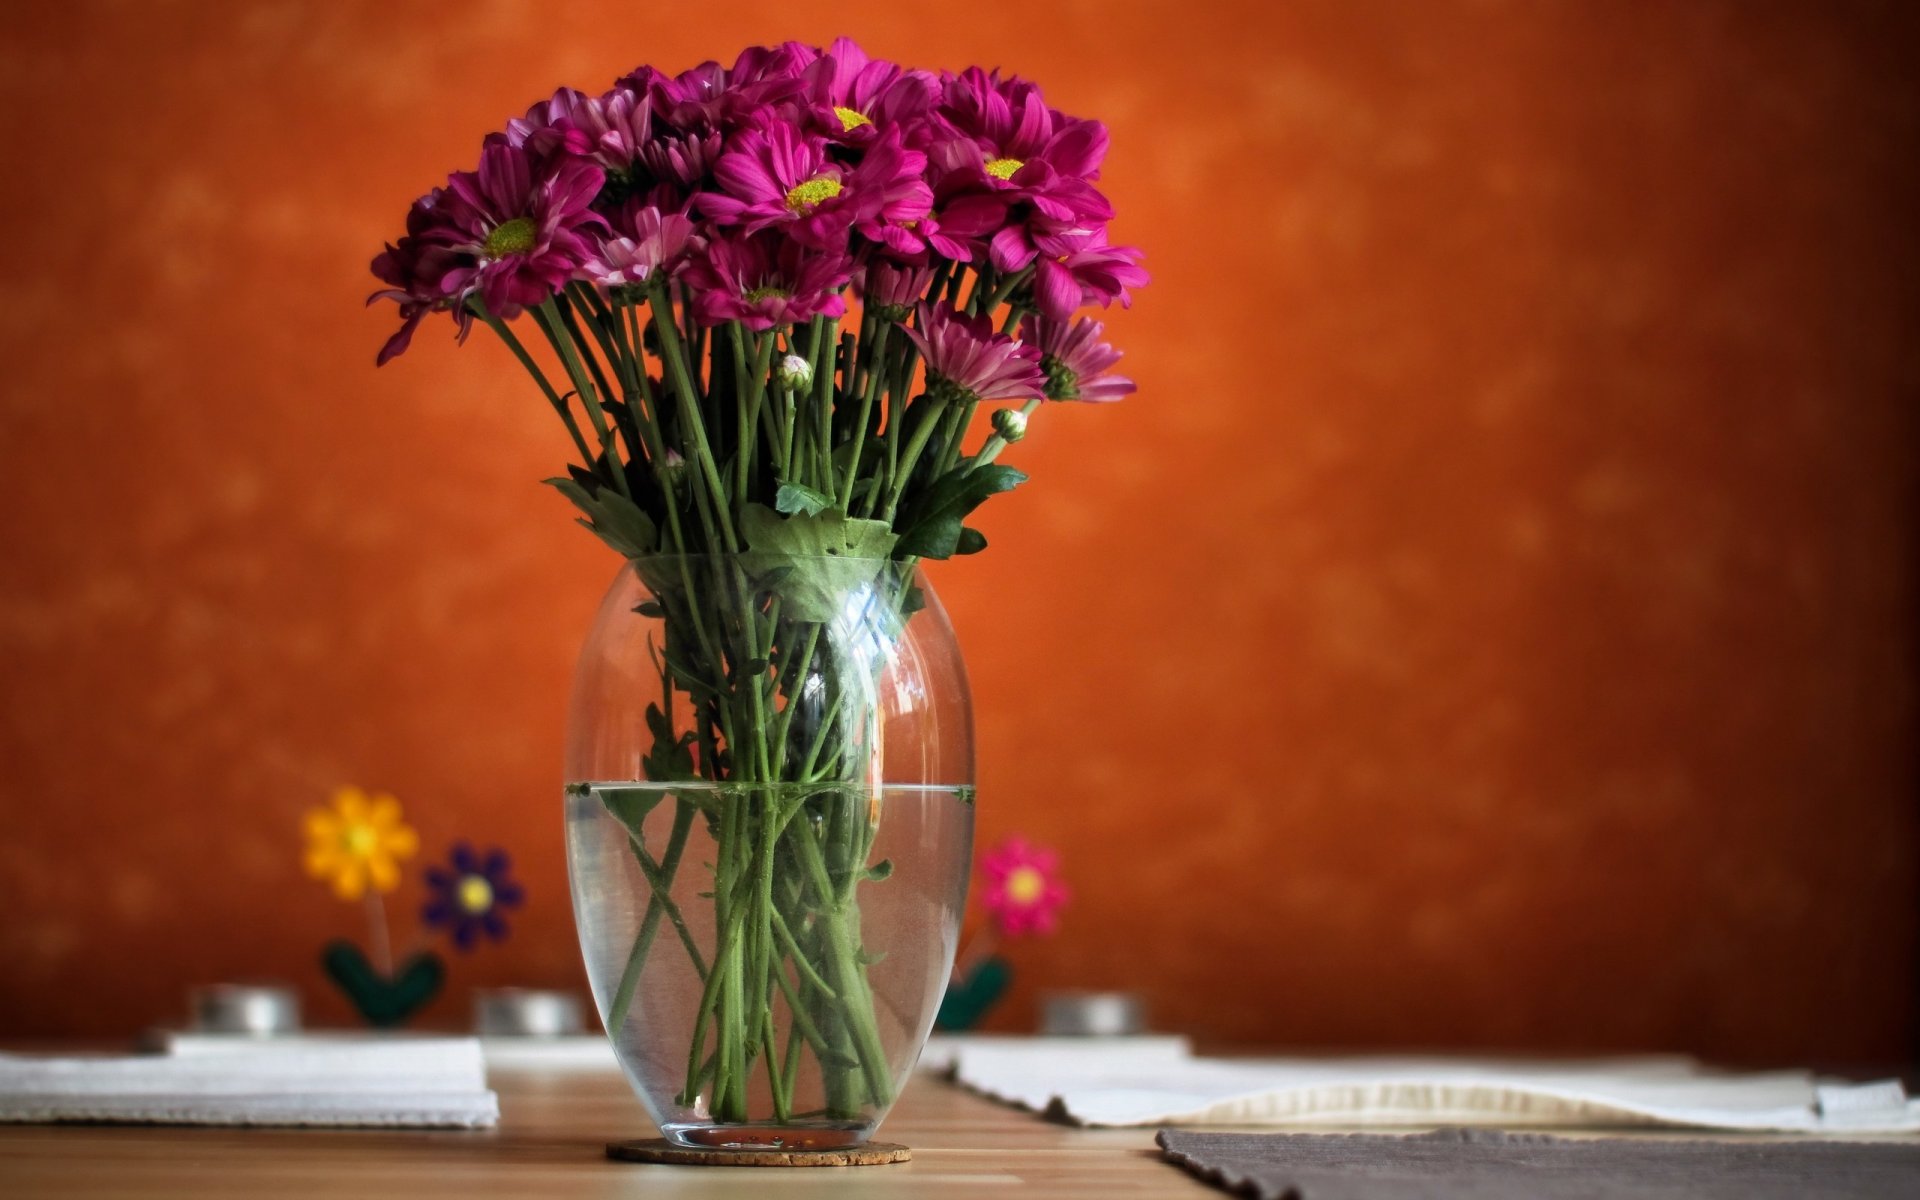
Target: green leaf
{"points": [[932, 525], [671, 759], [613, 518], [630, 806], [880, 870], [798, 498], [870, 449], [813, 561]]}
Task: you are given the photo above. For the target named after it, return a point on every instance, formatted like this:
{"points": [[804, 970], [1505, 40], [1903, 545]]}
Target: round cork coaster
{"points": [[660, 1150]]}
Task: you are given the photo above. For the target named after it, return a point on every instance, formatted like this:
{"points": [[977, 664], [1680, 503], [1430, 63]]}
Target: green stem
{"points": [[860, 426], [995, 444], [554, 398], [545, 317], [670, 351], [650, 924]]}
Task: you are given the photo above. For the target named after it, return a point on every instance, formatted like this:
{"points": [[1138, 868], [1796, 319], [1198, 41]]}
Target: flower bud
{"points": [[1010, 424], [672, 466], [795, 372]]}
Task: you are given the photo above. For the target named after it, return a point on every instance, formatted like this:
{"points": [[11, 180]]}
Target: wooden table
{"points": [[550, 1143]]}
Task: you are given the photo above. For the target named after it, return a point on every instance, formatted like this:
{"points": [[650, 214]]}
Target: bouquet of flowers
{"points": [[768, 302]]}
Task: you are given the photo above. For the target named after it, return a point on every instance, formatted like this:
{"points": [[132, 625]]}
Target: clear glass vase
{"points": [[769, 830]]}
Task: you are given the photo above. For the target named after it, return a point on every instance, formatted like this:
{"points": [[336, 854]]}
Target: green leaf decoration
{"points": [[813, 561], [968, 999], [613, 518], [383, 1001], [798, 498], [933, 525]]}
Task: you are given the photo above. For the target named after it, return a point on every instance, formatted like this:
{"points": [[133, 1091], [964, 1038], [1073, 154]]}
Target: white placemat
{"points": [[1122, 1085], [244, 1081]]}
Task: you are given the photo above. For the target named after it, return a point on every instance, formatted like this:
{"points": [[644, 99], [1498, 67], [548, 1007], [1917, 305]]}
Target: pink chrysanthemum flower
{"points": [[765, 280], [616, 127], [1008, 170], [712, 97], [779, 176], [545, 130], [413, 270], [1013, 130], [892, 289], [1024, 894], [645, 240], [851, 97], [1079, 267], [966, 360], [527, 234], [1077, 363], [683, 161]]}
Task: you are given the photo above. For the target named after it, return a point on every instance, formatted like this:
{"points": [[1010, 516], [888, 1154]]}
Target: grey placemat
{"points": [[1488, 1164]]}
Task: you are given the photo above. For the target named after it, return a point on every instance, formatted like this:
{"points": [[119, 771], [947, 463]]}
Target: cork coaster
{"points": [[660, 1150]]}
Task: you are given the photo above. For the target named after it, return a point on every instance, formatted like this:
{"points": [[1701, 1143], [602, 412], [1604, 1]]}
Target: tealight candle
{"points": [[258, 1010]]}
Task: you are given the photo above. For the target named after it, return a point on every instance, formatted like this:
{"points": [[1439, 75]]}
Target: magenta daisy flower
{"points": [[413, 270], [1024, 894], [712, 97], [966, 360], [545, 130], [1012, 126], [780, 176], [1079, 267], [683, 162], [1077, 363], [1009, 171], [851, 97], [892, 289], [765, 280], [645, 240], [527, 234]]}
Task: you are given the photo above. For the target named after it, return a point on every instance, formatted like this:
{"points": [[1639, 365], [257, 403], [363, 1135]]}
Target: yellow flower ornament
{"points": [[358, 843]]}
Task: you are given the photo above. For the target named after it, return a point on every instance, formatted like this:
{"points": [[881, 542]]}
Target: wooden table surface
{"points": [[553, 1128]]}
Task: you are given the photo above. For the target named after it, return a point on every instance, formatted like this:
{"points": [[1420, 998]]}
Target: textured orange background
{"points": [[1492, 623]]}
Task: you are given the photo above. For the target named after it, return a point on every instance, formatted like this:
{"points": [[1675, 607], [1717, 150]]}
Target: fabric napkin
{"points": [[1118, 1085], [588, 1052], [439, 1082], [1487, 1164]]}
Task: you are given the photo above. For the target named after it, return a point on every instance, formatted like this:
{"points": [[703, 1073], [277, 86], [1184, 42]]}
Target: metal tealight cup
{"points": [[525, 1012], [1092, 1014], [255, 1010]]}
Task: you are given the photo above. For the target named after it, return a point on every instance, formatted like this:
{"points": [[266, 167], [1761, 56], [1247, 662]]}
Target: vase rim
{"points": [[723, 556]]}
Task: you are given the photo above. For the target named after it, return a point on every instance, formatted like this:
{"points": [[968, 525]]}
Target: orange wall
{"points": [[1492, 623]]}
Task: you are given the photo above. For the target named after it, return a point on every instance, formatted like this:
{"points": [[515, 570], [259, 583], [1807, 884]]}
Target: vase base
{"points": [[741, 1153]]}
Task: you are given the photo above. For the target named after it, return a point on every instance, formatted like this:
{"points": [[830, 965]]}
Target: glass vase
{"points": [[769, 816]]}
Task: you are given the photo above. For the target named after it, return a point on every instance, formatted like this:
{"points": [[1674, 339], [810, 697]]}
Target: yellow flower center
{"points": [[359, 841], [1004, 168], [476, 894], [813, 191], [851, 118], [510, 237], [1025, 885], [763, 292]]}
